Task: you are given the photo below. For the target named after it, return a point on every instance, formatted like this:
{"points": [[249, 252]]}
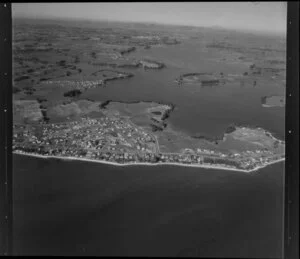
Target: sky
{"points": [[269, 17]]}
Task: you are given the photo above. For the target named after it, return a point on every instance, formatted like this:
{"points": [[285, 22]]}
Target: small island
{"points": [[150, 64], [273, 101], [99, 78], [143, 63], [204, 79]]}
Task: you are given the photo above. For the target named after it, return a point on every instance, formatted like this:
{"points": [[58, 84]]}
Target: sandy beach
{"points": [[148, 164]]}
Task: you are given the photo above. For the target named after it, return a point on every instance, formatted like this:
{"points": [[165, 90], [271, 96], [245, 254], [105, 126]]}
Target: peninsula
{"points": [[113, 138], [62, 109]]}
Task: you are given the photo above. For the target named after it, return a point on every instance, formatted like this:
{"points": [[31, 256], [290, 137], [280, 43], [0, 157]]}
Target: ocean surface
{"points": [[81, 208]]}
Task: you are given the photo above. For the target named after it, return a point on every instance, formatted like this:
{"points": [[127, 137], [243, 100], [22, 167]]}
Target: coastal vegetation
{"points": [[231, 128], [73, 110], [156, 128], [103, 105], [144, 113], [72, 93], [41, 99], [16, 90], [20, 78], [127, 50], [156, 112], [27, 111], [29, 90]]}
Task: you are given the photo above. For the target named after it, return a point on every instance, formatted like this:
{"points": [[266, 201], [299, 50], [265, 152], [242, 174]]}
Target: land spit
{"points": [[146, 164]]}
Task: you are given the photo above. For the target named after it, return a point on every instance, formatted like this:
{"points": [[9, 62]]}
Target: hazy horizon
{"points": [[262, 17]]}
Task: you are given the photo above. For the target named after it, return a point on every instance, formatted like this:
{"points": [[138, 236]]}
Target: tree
{"points": [[103, 104], [61, 63], [44, 113], [93, 54], [72, 93], [41, 99], [230, 128], [16, 89], [264, 99]]}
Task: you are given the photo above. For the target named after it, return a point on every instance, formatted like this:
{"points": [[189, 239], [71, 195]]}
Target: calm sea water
{"points": [[80, 208], [210, 110]]}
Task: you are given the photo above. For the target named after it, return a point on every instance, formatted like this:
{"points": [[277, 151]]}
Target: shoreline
{"points": [[144, 163], [270, 106]]}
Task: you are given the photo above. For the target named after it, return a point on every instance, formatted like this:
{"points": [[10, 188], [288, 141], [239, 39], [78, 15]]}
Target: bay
{"points": [[80, 208]]}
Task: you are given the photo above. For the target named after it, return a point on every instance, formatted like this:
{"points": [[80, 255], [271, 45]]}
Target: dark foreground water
{"points": [[96, 209]]}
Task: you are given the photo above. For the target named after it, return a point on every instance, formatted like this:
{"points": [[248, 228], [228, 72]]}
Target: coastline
{"points": [[270, 106], [144, 163]]}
